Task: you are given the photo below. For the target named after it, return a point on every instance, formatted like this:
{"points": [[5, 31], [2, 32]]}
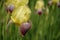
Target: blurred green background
{"points": [[44, 27]]}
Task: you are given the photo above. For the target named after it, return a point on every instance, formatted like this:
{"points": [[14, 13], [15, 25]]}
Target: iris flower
{"points": [[21, 14]]}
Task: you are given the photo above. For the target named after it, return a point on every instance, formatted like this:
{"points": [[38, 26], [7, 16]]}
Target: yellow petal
{"points": [[55, 1], [39, 4], [21, 14], [17, 3]]}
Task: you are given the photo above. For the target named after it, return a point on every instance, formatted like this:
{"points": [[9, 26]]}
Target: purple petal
{"points": [[24, 28]]}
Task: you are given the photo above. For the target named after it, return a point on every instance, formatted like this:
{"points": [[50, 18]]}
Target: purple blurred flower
{"points": [[39, 11], [50, 3], [58, 5], [24, 28], [10, 8]]}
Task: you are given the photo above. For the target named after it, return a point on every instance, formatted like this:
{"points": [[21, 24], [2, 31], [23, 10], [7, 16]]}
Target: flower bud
{"points": [[58, 5], [21, 14], [50, 3], [24, 28], [10, 8], [39, 11]]}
